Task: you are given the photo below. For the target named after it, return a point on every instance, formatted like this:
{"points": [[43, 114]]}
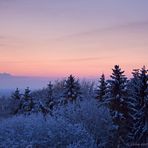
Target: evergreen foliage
{"points": [[71, 89], [50, 98], [16, 98], [126, 102], [117, 97], [101, 89], [27, 102], [141, 115]]}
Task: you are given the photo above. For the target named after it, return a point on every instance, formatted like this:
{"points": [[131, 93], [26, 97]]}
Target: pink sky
{"points": [[84, 38]]}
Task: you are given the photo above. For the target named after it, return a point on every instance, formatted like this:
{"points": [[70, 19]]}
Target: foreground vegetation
{"points": [[69, 113]]}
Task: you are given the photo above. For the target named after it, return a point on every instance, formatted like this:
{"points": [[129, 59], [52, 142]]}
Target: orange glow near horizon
{"points": [[62, 68]]}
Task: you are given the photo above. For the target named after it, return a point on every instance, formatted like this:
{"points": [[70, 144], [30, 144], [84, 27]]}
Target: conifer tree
{"points": [[72, 89], [101, 89], [117, 97], [133, 103], [27, 102], [49, 99], [141, 115], [16, 98]]}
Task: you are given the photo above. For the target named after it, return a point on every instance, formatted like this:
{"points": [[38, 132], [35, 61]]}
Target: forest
{"points": [[73, 113]]}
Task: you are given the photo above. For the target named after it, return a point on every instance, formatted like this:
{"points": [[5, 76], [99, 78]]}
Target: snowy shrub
{"points": [[96, 120], [34, 131], [5, 107]]}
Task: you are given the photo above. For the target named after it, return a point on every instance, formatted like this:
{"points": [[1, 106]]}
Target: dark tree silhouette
{"points": [[117, 97], [16, 99], [101, 89], [71, 89], [27, 102], [141, 108], [50, 97]]}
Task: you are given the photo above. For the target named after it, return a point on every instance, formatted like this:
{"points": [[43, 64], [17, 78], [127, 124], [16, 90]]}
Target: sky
{"points": [[55, 38]]}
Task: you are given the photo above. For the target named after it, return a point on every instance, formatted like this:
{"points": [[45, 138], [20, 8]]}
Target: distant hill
{"points": [[9, 82], [5, 75]]}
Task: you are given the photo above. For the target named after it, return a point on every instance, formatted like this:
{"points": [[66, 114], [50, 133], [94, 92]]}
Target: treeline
{"points": [[126, 99]]}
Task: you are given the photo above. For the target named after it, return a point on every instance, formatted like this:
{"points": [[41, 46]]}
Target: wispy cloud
{"points": [[85, 59], [128, 26], [11, 62]]}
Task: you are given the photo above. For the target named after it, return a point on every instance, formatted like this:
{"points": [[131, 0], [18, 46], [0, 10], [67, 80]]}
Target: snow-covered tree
{"points": [[33, 132], [87, 89], [71, 89], [101, 89], [50, 97], [141, 108], [58, 90], [133, 103], [117, 97], [46, 106], [16, 100], [27, 102]]}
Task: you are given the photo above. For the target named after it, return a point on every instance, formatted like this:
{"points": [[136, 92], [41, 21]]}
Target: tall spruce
{"points": [[49, 99], [27, 102], [101, 89], [117, 97], [16, 99], [141, 115], [133, 104], [72, 89]]}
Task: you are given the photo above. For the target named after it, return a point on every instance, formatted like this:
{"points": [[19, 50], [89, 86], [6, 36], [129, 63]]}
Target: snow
{"points": [[67, 114], [22, 131]]}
